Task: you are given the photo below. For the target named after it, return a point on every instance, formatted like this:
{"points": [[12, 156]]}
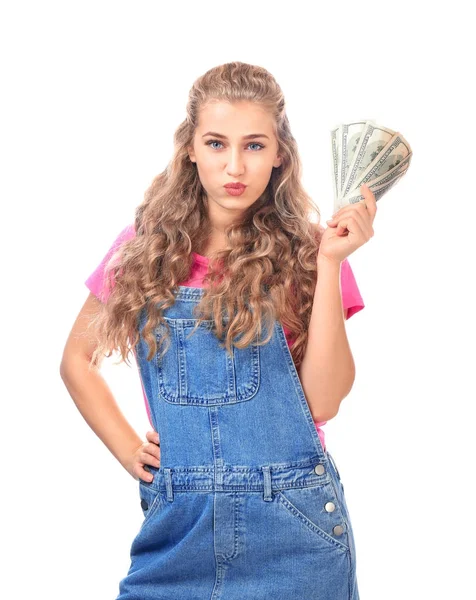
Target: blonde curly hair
{"points": [[269, 270]]}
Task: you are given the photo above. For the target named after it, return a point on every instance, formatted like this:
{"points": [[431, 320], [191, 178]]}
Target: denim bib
{"points": [[246, 502]]}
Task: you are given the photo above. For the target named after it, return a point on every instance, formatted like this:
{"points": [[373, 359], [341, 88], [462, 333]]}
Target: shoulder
{"points": [[127, 233]]}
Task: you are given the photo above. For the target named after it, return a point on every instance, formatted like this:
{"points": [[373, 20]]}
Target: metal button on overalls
{"points": [[237, 508], [338, 530]]}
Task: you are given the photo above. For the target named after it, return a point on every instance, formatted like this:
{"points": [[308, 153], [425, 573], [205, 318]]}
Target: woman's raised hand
{"points": [[350, 228]]}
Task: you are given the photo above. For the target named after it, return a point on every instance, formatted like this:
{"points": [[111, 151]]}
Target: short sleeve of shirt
{"points": [[96, 282], [351, 298]]}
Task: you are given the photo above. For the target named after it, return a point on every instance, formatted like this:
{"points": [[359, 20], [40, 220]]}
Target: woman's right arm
{"points": [[92, 395]]}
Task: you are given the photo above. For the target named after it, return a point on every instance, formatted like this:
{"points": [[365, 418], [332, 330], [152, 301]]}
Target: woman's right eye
{"points": [[213, 142]]}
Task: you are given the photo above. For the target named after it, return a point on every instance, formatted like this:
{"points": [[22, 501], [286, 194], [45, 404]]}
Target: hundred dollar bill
{"points": [[377, 187], [373, 140], [378, 190], [350, 137], [364, 152], [335, 145], [373, 183], [391, 155]]}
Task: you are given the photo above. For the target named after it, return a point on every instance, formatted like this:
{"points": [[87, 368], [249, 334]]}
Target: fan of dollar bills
{"points": [[364, 152]]}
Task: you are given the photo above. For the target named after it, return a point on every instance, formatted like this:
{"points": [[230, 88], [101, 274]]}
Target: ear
{"points": [[191, 154]]}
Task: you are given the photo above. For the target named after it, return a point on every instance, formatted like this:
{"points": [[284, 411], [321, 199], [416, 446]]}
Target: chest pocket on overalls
{"points": [[197, 371]]}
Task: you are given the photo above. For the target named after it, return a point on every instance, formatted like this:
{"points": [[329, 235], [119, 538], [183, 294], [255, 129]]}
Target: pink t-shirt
{"points": [[351, 298]]}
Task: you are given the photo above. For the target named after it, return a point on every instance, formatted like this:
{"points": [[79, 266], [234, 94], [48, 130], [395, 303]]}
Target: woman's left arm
{"points": [[327, 371]]}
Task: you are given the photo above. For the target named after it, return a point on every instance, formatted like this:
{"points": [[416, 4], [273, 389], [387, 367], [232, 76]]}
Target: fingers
{"points": [[149, 455], [363, 211], [353, 224], [370, 200], [343, 220], [153, 447], [357, 207], [143, 474], [153, 436]]}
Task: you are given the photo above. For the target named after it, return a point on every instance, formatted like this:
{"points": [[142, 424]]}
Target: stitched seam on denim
{"points": [[186, 322], [156, 494], [343, 515], [351, 562], [239, 488], [350, 571], [245, 392], [195, 401], [299, 389], [150, 512], [235, 532], [275, 467], [220, 571], [333, 463], [350, 534]]}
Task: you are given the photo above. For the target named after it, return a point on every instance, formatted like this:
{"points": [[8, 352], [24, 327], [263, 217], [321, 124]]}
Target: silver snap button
{"points": [[338, 530], [330, 506], [319, 469]]}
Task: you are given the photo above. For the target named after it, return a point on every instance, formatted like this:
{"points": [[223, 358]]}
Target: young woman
{"points": [[233, 304]]}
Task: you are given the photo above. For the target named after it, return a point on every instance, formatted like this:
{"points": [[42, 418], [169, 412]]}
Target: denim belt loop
{"points": [[168, 483], [267, 496]]}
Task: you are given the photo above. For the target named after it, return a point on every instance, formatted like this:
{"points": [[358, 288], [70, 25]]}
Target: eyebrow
{"points": [[251, 136]]}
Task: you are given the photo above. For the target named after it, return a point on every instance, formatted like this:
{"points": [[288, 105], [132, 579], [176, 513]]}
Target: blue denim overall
{"points": [[246, 503]]}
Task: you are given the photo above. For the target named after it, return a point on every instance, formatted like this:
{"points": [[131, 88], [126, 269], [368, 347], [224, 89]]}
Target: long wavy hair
{"points": [[268, 271]]}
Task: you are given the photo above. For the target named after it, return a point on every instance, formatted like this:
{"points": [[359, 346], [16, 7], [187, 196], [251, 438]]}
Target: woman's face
{"points": [[230, 158]]}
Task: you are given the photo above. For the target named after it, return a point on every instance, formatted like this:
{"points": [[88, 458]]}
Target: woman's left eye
{"points": [[210, 142]]}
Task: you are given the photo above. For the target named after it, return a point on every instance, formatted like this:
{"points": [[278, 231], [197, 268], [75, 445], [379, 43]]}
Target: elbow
{"points": [[71, 363], [65, 365], [323, 409], [326, 404], [62, 370], [325, 415], [65, 371], [327, 409]]}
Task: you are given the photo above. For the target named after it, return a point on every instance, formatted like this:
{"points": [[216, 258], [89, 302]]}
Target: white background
{"points": [[92, 94]]}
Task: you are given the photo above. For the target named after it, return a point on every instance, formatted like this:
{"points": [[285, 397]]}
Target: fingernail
{"points": [[329, 221]]}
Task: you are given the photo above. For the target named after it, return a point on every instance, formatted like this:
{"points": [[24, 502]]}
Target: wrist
{"points": [[125, 454], [324, 262]]}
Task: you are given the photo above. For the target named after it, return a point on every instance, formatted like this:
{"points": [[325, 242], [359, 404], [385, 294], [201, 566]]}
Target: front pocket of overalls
{"points": [[318, 509], [150, 500], [197, 371]]}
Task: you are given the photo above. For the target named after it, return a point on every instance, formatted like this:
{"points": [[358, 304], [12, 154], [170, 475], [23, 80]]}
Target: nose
{"points": [[235, 164]]}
